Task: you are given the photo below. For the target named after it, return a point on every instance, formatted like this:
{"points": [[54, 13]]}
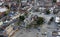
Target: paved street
{"points": [[24, 13], [34, 32], [26, 34]]}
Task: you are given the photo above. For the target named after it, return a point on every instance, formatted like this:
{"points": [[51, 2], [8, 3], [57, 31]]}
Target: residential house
{"points": [[41, 3], [56, 33], [58, 2], [57, 19], [1, 0], [48, 3], [9, 29], [3, 11]]}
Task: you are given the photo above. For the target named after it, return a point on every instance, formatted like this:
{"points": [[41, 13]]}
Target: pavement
{"points": [[45, 29], [12, 32], [25, 34]]}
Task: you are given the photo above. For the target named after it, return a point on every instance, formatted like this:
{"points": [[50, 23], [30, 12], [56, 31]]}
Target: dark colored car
{"points": [[3, 33]]}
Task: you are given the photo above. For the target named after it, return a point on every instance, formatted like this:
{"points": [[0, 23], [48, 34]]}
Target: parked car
{"points": [[2, 32]]}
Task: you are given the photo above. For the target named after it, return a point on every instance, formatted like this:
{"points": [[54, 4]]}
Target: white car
{"points": [[58, 34], [57, 19]]}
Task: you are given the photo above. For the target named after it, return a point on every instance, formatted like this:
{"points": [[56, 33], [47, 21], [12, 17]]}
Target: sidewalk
{"points": [[12, 33]]}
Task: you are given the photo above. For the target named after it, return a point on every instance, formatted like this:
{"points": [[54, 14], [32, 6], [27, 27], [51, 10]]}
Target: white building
{"points": [[57, 19], [58, 0], [23, 0]]}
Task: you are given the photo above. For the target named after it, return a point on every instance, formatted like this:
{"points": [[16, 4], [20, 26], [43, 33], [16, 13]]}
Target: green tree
{"points": [[52, 19], [47, 12], [54, 1], [21, 18], [36, 23], [40, 21]]}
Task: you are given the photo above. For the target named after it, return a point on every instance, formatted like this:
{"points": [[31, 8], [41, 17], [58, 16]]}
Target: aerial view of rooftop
{"points": [[29, 18]]}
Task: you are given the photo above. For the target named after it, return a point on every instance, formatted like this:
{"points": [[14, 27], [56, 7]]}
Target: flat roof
{"points": [[3, 9], [58, 33], [57, 19], [1, 3], [1, 23]]}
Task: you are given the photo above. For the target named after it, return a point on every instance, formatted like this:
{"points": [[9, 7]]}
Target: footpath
{"points": [[12, 32]]}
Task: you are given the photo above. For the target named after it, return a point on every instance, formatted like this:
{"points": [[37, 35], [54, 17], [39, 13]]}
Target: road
{"points": [[45, 28], [26, 34], [33, 32]]}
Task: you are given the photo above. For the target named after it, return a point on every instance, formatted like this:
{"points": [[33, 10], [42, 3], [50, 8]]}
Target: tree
{"points": [[7, 6], [21, 18], [52, 19], [47, 12], [5, 14], [40, 21], [54, 1]]}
